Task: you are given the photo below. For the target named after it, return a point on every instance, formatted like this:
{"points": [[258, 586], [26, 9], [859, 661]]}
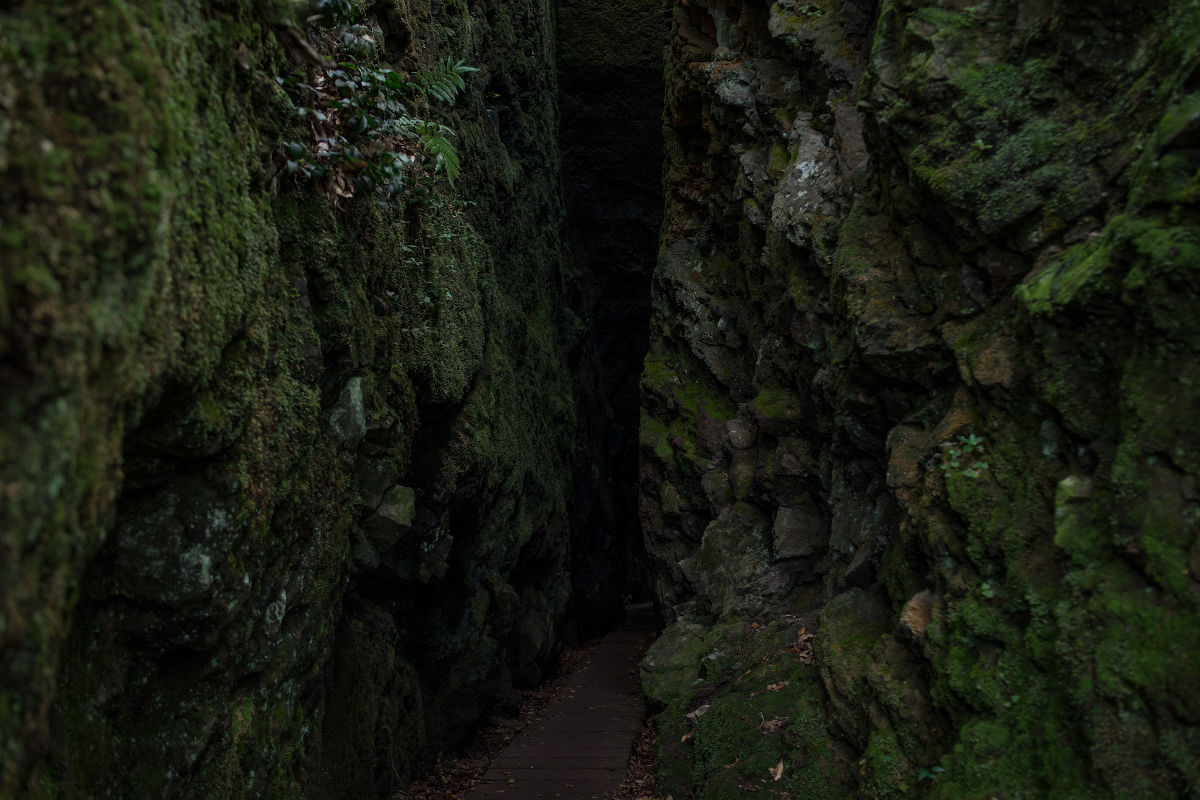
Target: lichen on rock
{"points": [[942, 273]]}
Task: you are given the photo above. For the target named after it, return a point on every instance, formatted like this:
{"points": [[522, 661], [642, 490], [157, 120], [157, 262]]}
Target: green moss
{"points": [[1076, 530], [121, 176], [696, 399], [44, 784], [886, 771], [1125, 608], [191, 316], [945, 24], [658, 377], [995, 97], [777, 402], [1062, 150], [780, 160], [990, 757], [1136, 252], [766, 710]]}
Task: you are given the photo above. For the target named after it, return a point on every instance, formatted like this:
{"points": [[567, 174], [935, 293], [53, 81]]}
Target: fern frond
{"points": [[433, 139], [436, 145], [403, 126], [445, 80]]}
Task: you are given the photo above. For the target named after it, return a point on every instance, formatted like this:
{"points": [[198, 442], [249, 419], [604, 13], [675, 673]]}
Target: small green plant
{"points": [[930, 773], [963, 449], [364, 135]]}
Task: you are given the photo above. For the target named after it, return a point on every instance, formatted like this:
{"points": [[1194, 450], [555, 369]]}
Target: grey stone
{"points": [[348, 422], [805, 204], [793, 456], [168, 549], [715, 483], [735, 87], [671, 665], [375, 475], [732, 570], [742, 472], [741, 433], [363, 557], [799, 532], [392, 519]]}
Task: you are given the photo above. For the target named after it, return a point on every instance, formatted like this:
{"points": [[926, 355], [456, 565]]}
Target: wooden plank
{"points": [[580, 745]]}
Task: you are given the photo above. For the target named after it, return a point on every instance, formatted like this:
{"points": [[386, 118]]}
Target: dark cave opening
{"points": [[610, 103]]}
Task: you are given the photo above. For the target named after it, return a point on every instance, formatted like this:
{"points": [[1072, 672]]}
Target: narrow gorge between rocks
{"points": [[359, 356]]}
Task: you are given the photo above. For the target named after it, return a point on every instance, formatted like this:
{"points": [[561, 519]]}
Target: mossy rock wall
{"points": [[920, 384], [284, 485]]}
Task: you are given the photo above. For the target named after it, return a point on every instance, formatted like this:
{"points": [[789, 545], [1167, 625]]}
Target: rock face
{"points": [[919, 410], [285, 486]]}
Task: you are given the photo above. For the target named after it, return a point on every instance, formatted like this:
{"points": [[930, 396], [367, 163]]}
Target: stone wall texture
{"points": [[284, 483], [920, 410]]}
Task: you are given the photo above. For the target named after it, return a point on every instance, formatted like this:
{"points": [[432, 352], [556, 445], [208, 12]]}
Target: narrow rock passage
{"points": [[580, 744]]}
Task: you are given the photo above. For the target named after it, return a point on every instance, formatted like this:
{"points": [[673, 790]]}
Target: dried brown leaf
{"points": [[769, 726]]}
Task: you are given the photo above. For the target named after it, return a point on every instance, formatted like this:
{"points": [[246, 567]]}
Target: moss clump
{"points": [[1131, 255], [780, 160], [777, 407], [988, 756], [736, 703]]}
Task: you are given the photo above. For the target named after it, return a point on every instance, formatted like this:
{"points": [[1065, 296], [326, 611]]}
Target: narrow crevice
{"points": [[610, 100]]}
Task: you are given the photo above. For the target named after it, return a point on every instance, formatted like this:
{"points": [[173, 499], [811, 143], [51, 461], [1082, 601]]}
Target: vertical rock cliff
{"points": [[285, 481], [918, 439]]}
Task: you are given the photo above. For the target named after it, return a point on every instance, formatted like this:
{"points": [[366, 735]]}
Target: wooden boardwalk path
{"points": [[578, 748]]}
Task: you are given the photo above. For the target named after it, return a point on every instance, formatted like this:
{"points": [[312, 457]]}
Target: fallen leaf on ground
{"points": [[775, 687], [777, 773], [802, 647], [772, 725]]}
